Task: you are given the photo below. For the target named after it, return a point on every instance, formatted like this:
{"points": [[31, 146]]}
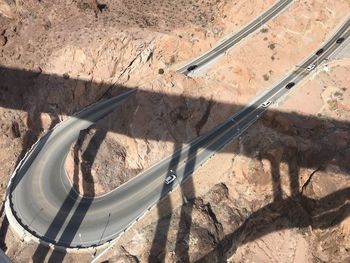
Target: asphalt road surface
{"points": [[4, 258], [41, 200], [233, 40]]}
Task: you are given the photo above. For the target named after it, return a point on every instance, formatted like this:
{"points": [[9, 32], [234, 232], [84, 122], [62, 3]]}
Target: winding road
{"points": [[42, 204]]}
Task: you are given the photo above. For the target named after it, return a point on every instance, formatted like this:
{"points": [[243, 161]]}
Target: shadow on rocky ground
{"points": [[39, 95], [301, 211]]}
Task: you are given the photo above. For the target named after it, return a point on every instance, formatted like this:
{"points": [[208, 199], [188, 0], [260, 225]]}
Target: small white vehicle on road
{"points": [[310, 67], [266, 104], [170, 178]]}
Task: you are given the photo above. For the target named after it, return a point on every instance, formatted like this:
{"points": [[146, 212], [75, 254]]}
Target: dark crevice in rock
{"points": [[15, 129], [132, 61], [102, 7], [132, 258], [308, 181], [150, 56], [204, 118], [213, 216]]}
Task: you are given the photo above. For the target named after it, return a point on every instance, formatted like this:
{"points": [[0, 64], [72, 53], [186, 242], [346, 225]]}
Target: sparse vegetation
{"points": [[171, 61], [332, 104], [266, 77], [338, 94], [272, 46], [161, 71], [264, 30]]}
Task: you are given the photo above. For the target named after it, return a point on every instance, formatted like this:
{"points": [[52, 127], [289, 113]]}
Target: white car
{"points": [[170, 178], [266, 104], [310, 67]]}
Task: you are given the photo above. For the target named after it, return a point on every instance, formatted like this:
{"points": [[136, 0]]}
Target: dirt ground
{"points": [[287, 178]]}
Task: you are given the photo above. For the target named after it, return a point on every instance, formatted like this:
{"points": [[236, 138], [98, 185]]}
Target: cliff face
{"points": [[283, 180]]}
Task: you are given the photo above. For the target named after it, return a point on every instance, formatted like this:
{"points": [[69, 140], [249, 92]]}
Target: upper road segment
{"points": [[220, 49]]}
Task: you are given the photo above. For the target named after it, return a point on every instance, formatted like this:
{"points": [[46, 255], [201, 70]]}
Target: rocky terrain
{"points": [[176, 121], [58, 57], [286, 179]]}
